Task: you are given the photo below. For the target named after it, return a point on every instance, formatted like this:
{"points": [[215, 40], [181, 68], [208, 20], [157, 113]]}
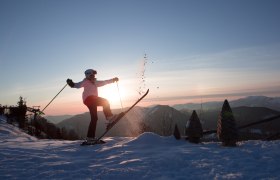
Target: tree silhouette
{"points": [[21, 113], [226, 129], [2, 109], [176, 133], [194, 129]]}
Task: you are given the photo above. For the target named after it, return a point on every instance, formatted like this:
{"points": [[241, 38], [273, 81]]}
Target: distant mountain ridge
{"points": [[57, 119], [161, 119], [250, 101], [80, 123]]}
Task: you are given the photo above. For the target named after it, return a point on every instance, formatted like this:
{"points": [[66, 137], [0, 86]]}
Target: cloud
{"points": [[232, 73], [251, 58]]}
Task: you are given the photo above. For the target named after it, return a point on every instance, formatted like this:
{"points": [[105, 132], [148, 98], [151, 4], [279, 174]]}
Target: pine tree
{"points": [[176, 133], [194, 129], [21, 113], [2, 109], [226, 130]]}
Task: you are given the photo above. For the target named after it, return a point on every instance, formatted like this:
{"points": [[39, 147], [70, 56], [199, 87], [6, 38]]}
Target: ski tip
{"points": [[147, 91], [88, 143]]}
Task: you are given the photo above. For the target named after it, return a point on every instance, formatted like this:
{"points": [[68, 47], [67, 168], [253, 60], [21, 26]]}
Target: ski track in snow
{"points": [[148, 156]]}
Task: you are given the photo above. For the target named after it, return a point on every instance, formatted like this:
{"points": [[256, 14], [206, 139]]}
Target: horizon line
{"points": [[238, 95]]}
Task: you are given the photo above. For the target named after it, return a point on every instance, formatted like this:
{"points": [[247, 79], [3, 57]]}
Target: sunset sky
{"points": [[196, 51]]}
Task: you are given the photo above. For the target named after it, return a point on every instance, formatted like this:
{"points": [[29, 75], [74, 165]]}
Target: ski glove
{"points": [[70, 83], [115, 79]]}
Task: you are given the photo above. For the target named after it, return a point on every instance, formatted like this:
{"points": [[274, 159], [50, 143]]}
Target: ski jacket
{"points": [[90, 86]]}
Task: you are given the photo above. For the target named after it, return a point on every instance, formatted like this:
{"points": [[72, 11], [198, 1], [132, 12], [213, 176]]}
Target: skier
{"points": [[92, 100]]}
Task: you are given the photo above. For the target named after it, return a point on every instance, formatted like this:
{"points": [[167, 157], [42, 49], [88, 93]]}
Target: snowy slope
{"points": [[148, 156]]}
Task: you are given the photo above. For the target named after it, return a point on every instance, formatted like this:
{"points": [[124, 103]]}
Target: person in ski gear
{"points": [[92, 100]]}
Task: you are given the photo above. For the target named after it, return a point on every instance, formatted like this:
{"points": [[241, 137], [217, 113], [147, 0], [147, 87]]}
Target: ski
{"points": [[84, 143], [118, 118]]}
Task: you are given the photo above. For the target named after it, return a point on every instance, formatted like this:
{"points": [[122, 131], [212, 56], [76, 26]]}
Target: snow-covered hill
{"points": [[148, 156]]}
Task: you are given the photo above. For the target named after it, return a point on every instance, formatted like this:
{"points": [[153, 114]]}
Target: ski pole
{"points": [[54, 98], [119, 95]]}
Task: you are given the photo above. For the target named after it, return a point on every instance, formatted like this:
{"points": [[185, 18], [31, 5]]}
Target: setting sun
{"points": [[113, 94]]}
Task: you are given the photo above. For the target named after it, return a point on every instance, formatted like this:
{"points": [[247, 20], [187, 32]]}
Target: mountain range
{"points": [[161, 119], [57, 119], [80, 123], [250, 101]]}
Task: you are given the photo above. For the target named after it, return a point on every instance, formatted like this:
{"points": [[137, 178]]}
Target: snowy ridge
{"points": [[148, 156]]}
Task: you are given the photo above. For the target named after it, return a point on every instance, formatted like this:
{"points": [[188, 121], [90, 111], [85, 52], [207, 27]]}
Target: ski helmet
{"points": [[89, 72]]}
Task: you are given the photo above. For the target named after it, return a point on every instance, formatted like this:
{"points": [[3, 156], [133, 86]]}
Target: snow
{"points": [[147, 156]]}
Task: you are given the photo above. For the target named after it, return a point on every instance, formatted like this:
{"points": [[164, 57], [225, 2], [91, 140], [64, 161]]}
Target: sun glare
{"points": [[112, 94]]}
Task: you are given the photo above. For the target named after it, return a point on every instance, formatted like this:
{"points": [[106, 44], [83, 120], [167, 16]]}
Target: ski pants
{"points": [[92, 102]]}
